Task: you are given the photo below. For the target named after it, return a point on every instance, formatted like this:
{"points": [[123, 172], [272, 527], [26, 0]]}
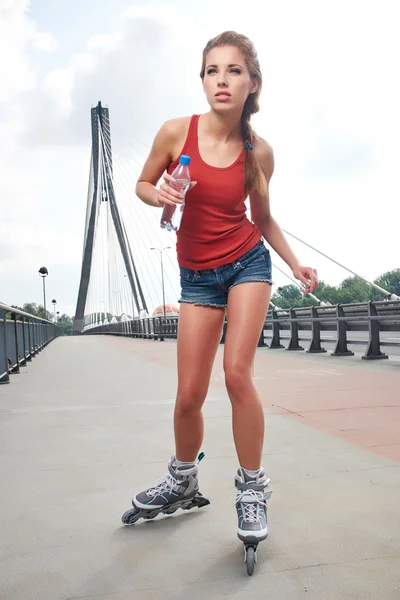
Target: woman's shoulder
{"points": [[265, 155], [173, 135], [174, 128], [262, 148]]}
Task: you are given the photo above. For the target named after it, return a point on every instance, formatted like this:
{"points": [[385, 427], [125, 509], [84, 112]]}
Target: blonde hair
{"points": [[254, 177]]}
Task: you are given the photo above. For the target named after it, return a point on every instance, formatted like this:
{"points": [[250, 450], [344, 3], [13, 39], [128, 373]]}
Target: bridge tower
{"points": [[101, 194]]}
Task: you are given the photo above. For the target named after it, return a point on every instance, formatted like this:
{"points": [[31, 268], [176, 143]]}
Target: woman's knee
{"points": [[237, 378], [189, 400]]}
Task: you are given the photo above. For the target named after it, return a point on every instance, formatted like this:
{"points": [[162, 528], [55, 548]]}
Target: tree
{"points": [[287, 296], [33, 309], [37, 310], [65, 323], [354, 289], [327, 293], [390, 281]]}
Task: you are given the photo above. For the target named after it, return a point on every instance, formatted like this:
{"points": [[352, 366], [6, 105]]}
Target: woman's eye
{"points": [[213, 70]]}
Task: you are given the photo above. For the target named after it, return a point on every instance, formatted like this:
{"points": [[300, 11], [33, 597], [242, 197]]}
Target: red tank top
{"points": [[215, 229]]}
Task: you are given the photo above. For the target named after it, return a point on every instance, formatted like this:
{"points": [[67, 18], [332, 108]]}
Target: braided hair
{"points": [[254, 177]]}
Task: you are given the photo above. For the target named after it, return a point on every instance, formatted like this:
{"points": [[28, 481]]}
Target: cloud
{"points": [[125, 68], [19, 38]]}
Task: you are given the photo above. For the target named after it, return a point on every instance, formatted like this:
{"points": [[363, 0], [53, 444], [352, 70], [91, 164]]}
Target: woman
{"points": [[223, 264]]}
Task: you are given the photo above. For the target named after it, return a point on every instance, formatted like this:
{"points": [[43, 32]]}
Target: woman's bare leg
{"points": [[247, 309], [199, 334]]}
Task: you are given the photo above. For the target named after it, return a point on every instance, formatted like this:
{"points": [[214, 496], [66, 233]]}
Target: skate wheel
{"points": [[130, 516], [170, 511], [250, 559]]}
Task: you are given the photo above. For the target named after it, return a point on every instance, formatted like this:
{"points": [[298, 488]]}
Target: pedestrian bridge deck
{"points": [[88, 422]]}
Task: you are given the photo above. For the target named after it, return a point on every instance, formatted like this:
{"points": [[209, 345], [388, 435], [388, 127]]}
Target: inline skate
{"points": [[251, 505], [177, 489]]}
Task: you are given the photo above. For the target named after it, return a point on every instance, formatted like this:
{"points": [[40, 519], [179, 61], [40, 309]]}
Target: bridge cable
{"points": [[371, 283]]}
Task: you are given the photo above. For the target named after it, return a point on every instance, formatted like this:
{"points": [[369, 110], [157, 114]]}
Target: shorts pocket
{"points": [[189, 274]]}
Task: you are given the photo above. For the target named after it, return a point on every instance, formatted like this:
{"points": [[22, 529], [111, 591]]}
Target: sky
{"points": [[329, 108]]}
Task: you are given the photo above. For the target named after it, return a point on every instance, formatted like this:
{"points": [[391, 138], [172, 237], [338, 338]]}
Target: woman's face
{"points": [[227, 82]]}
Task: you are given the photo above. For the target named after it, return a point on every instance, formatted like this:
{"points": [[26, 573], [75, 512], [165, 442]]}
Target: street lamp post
{"points": [[43, 273], [162, 272], [54, 302]]}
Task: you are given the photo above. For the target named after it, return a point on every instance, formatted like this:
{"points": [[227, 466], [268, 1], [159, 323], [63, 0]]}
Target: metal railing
{"points": [[22, 336], [371, 317]]}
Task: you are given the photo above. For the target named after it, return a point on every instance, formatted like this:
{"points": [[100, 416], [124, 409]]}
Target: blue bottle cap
{"points": [[184, 160]]}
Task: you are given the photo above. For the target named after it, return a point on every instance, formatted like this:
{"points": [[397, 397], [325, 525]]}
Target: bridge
{"points": [[86, 421]]}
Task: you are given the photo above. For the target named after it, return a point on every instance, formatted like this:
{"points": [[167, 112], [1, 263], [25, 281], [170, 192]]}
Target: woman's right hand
{"points": [[166, 194]]}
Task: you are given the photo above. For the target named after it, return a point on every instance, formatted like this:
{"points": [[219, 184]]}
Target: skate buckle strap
{"points": [[251, 485]]}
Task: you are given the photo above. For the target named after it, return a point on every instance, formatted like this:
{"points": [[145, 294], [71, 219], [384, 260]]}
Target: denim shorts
{"points": [[210, 287]]}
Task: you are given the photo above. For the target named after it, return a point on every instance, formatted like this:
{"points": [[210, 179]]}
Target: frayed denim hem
{"points": [[253, 281], [210, 304]]}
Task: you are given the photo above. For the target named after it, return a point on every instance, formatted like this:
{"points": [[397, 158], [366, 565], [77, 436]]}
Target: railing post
{"points": [[276, 336], [152, 328], [261, 341], [32, 338], [373, 350], [35, 338], [315, 345], [294, 332], [222, 340], [162, 329], [24, 340], [39, 336], [341, 344], [28, 326], [156, 329], [3, 357], [14, 318]]}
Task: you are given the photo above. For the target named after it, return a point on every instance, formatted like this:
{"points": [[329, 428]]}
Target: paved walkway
{"points": [[89, 422]]}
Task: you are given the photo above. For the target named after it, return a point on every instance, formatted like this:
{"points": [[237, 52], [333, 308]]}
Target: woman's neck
{"points": [[224, 128]]}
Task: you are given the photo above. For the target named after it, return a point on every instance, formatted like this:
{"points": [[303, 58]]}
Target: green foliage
{"points": [[33, 309], [390, 281], [65, 323]]}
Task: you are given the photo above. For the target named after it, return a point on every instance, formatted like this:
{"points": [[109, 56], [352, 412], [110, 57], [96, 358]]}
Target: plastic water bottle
{"points": [[172, 215]]}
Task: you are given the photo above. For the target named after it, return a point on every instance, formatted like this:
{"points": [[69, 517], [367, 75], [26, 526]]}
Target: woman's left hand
{"points": [[308, 276]]}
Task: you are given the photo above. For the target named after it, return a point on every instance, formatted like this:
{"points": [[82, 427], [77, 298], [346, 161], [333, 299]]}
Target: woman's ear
{"points": [[254, 86]]}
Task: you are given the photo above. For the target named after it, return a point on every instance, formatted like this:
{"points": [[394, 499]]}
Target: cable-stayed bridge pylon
{"points": [[107, 254]]}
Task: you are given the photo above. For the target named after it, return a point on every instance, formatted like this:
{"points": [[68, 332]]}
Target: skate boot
{"points": [[177, 489], [251, 506]]}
